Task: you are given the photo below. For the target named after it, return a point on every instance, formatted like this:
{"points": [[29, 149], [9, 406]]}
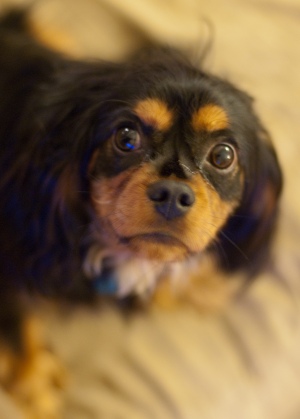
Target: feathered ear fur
{"points": [[246, 237]]}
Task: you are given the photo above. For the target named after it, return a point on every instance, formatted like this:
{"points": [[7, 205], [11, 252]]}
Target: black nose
{"points": [[171, 199]]}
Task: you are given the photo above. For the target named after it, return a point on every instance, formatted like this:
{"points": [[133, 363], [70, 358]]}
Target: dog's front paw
{"points": [[34, 378]]}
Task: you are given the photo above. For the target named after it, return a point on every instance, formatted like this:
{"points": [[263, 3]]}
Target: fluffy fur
{"points": [[74, 192]]}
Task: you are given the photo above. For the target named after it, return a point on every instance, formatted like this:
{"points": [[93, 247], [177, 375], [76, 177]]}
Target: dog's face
{"points": [[169, 174], [180, 153]]}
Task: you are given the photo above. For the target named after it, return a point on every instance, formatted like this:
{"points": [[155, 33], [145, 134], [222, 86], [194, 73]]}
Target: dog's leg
{"points": [[29, 372]]}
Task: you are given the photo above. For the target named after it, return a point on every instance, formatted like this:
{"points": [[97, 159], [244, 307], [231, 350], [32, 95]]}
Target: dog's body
{"points": [[116, 176]]}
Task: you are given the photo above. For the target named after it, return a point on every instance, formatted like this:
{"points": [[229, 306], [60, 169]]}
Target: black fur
{"points": [[54, 112]]}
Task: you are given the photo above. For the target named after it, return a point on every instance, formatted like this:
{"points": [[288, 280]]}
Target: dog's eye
{"points": [[222, 156], [127, 139]]}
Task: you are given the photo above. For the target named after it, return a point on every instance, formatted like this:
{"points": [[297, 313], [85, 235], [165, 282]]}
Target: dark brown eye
{"points": [[127, 139], [222, 156]]}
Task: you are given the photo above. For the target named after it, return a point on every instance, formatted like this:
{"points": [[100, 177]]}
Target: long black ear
{"points": [[245, 240]]}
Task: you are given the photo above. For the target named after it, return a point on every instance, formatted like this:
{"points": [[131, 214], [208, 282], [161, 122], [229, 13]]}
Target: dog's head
{"points": [[169, 161], [181, 165]]}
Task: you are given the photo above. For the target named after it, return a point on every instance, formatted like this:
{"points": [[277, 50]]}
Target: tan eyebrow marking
{"points": [[155, 112], [210, 118]]}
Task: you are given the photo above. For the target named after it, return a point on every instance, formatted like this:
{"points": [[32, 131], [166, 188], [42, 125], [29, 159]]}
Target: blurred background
{"points": [[243, 363]]}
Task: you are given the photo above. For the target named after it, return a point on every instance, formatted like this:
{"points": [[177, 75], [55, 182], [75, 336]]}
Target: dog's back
{"points": [[25, 65]]}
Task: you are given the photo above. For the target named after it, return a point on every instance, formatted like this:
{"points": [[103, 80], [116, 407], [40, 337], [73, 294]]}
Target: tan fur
{"points": [[200, 283], [210, 118], [34, 379], [154, 112]]}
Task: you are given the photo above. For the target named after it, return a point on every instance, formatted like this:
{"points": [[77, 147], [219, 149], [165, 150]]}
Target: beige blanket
{"points": [[241, 364]]}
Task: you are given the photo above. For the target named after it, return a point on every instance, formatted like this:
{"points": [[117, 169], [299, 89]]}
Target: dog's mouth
{"points": [[156, 237], [157, 245]]}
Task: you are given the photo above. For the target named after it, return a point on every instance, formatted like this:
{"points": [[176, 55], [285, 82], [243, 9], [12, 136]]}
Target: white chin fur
{"points": [[134, 275]]}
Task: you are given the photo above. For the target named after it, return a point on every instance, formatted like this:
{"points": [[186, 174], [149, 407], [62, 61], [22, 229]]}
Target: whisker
{"points": [[215, 242], [184, 166], [123, 102], [234, 245], [220, 249], [245, 217]]}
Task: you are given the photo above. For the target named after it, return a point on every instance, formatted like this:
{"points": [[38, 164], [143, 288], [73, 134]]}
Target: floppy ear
{"points": [[245, 240]]}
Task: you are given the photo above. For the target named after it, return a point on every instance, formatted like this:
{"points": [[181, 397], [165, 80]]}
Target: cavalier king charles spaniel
{"points": [[115, 176]]}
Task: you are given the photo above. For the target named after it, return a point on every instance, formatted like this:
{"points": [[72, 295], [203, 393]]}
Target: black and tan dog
{"points": [[117, 176]]}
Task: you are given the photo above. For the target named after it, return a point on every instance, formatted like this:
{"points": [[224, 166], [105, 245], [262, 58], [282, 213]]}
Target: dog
{"points": [[116, 177]]}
